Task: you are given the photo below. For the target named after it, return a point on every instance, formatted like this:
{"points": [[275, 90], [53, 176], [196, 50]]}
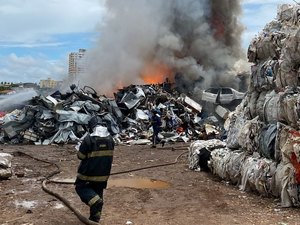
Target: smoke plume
{"points": [[198, 40], [16, 100]]}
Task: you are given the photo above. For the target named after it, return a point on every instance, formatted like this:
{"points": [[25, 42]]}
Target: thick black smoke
{"points": [[198, 39]]}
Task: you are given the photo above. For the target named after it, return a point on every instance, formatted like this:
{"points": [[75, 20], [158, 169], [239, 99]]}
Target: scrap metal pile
{"points": [[63, 117], [262, 151]]}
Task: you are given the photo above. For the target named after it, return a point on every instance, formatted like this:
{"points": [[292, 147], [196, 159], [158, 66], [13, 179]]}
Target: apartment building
{"points": [[49, 83], [77, 63]]}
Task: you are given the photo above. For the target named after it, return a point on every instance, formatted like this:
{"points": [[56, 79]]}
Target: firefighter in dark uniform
{"points": [[96, 155], [156, 125]]}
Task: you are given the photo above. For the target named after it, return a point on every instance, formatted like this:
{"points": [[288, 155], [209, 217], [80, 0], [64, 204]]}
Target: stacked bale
{"points": [[264, 130]]}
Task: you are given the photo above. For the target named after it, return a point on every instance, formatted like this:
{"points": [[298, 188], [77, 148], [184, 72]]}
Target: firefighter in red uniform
{"points": [[96, 155]]}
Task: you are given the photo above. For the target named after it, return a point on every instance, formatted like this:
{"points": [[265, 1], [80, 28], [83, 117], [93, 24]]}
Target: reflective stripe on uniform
{"points": [[92, 178], [81, 155], [101, 153], [94, 200], [98, 214]]}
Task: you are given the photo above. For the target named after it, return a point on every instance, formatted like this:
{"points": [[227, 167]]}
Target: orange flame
{"points": [[219, 27], [119, 85], [155, 73]]}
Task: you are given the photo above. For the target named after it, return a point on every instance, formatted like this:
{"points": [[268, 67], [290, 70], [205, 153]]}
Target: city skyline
{"points": [[38, 36]]}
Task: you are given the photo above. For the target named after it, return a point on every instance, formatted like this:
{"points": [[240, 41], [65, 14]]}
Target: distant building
{"points": [[49, 83], [29, 85], [77, 63]]}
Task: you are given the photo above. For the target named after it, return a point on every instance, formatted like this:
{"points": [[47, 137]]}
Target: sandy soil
{"points": [[191, 198]]}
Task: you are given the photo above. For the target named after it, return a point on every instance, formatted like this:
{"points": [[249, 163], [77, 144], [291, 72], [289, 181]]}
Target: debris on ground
{"points": [[62, 118], [5, 165]]}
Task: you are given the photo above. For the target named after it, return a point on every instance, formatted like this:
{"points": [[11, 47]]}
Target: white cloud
{"points": [[30, 45], [256, 14], [35, 24], [34, 20], [30, 69]]}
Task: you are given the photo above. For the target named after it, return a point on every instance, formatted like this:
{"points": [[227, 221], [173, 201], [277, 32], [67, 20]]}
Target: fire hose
{"points": [[82, 218]]}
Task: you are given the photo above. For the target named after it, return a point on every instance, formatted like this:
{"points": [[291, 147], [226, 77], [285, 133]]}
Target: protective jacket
{"points": [[96, 155], [156, 123]]}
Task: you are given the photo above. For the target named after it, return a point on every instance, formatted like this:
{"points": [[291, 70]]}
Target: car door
{"points": [[226, 96], [210, 95]]}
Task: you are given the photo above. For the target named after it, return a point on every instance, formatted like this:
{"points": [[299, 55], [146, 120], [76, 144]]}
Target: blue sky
{"points": [[37, 35]]}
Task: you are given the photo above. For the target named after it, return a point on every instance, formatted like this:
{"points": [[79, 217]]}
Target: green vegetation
{"points": [[5, 86]]}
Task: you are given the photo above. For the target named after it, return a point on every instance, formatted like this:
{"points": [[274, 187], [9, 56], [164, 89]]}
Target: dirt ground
{"points": [[191, 197]]}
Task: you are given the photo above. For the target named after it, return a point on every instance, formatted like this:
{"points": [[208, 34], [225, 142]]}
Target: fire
{"points": [[119, 85], [155, 73], [219, 27], [218, 19]]}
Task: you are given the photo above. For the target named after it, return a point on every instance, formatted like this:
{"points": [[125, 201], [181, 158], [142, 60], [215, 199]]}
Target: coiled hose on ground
{"points": [[82, 218]]}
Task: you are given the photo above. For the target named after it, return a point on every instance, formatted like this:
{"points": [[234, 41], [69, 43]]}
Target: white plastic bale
{"points": [[268, 42], [288, 105], [260, 105], [266, 48], [257, 175], [287, 75], [248, 174], [252, 104], [243, 134], [285, 185], [195, 148], [247, 136], [233, 166], [289, 61], [291, 110], [236, 125], [291, 47], [271, 108], [285, 12], [273, 26], [218, 162]]}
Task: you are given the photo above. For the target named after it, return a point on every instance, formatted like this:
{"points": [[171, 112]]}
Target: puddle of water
{"points": [[142, 183]]}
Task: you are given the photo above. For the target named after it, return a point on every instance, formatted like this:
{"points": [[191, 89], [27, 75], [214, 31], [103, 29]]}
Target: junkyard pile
{"points": [[262, 151], [62, 118]]}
